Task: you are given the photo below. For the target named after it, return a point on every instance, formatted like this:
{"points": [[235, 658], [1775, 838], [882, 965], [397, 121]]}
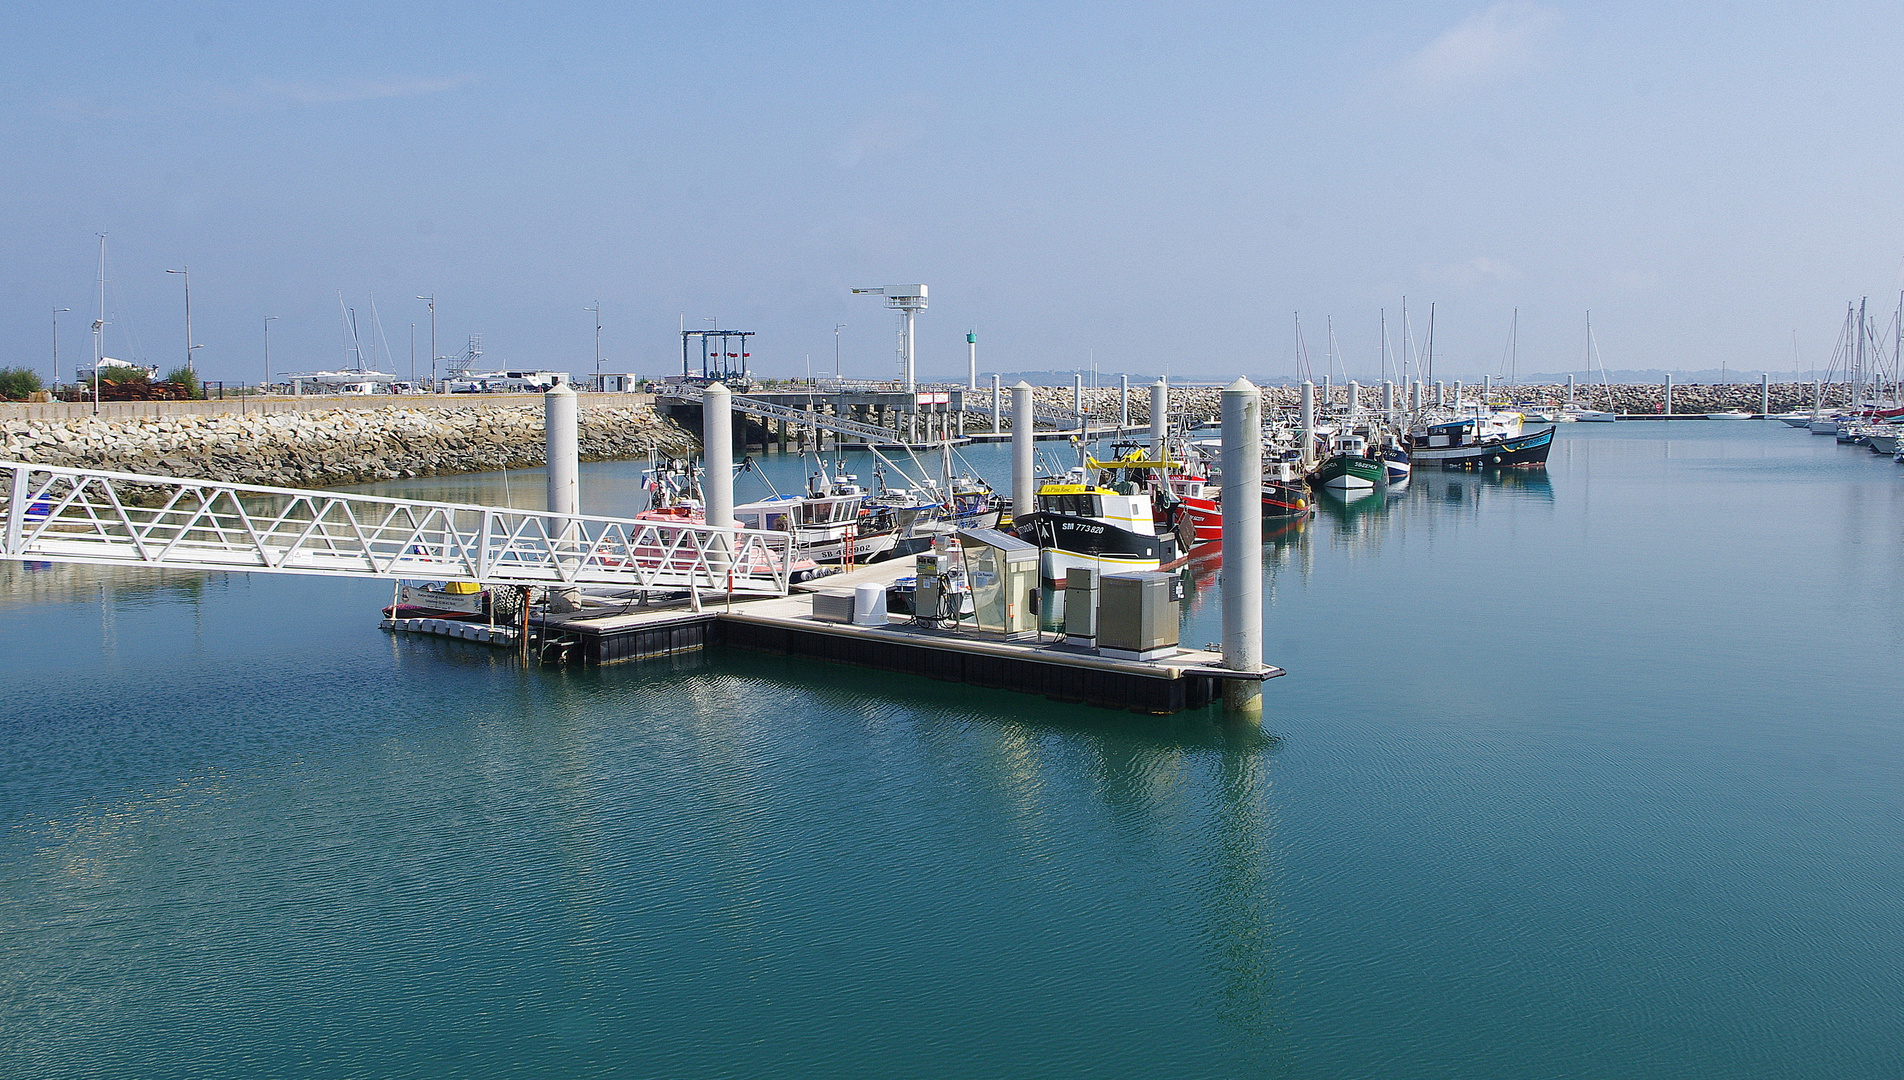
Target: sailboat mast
{"points": [[1858, 393], [1384, 317], [1514, 350]]}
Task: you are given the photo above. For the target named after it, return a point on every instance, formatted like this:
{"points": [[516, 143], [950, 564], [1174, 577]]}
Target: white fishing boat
{"points": [[1730, 414]]}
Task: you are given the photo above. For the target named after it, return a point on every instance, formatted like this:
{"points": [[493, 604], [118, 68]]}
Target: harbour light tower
{"points": [[909, 301]]}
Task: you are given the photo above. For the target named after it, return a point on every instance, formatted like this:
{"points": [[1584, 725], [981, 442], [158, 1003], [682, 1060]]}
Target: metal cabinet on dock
{"points": [[1137, 615]]}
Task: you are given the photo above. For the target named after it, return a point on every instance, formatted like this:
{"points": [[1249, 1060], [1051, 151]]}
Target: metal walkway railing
{"points": [[84, 516]]}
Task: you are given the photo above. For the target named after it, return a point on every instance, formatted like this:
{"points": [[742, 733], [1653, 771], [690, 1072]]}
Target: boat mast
{"points": [[1384, 317], [1514, 350]]}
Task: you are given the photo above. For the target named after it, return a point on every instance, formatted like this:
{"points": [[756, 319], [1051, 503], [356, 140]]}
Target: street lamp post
{"points": [[432, 300], [268, 320], [597, 309], [190, 367], [56, 315]]}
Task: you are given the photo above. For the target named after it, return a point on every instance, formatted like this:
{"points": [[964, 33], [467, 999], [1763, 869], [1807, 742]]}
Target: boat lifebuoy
{"points": [[1496, 459]]}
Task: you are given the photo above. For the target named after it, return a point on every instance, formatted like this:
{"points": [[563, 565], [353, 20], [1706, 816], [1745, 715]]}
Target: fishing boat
{"points": [[829, 522], [1396, 463], [1285, 493], [1351, 465], [1482, 442], [1087, 525], [1729, 414]]}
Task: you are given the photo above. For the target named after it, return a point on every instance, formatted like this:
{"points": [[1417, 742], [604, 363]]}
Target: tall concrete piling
{"points": [[1243, 546], [562, 448], [717, 454], [1123, 402], [1667, 408], [1159, 418], [1570, 389], [1765, 394], [1388, 400], [996, 402], [1023, 497], [1307, 420], [1355, 399]]}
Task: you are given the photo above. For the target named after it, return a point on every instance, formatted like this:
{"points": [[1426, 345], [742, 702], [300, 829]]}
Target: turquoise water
{"points": [[1595, 774]]}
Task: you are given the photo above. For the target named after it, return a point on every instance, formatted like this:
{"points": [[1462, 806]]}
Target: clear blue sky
{"points": [[1154, 184]]}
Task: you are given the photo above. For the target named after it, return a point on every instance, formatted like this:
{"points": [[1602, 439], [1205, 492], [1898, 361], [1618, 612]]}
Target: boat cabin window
{"points": [[1074, 505]]}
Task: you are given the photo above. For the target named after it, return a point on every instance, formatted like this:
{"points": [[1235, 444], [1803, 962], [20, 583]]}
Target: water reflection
{"points": [[1189, 796], [1458, 488], [24, 584]]}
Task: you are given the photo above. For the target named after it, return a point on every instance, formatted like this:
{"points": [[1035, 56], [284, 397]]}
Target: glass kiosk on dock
{"points": [[1003, 571]]}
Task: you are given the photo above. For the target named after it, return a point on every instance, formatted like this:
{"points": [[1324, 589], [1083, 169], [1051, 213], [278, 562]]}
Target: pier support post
{"points": [[1123, 402], [1243, 546], [1355, 399], [996, 402], [1457, 393], [1765, 393], [1388, 400], [1669, 396], [1159, 418], [1328, 392], [717, 454], [1441, 394], [1308, 422], [563, 449], [1570, 389], [561, 446], [1022, 434]]}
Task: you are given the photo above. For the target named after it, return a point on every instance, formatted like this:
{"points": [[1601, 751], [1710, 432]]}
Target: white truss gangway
{"points": [[764, 410], [86, 516]]}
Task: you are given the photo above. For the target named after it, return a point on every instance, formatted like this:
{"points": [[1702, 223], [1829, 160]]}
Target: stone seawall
{"points": [[340, 446]]}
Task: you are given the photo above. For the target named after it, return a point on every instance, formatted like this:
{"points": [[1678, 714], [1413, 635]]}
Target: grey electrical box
{"points": [[1080, 606], [833, 605], [1137, 615]]}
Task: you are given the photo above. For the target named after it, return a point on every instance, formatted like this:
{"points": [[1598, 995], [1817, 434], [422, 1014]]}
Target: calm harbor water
{"points": [[1595, 773]]}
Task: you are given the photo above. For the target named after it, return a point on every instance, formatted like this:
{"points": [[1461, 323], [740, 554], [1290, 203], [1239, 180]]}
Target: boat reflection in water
{"points": [[1474, 488]]}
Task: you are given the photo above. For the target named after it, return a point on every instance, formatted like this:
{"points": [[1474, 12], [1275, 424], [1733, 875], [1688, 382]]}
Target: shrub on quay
{"points": [[18, 382]]}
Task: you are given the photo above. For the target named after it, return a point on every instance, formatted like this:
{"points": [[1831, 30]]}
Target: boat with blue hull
{"points": [[1464, 444]]}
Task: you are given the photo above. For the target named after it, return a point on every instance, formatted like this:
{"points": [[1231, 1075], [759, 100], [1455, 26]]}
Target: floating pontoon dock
{"points": [[786, 626]]}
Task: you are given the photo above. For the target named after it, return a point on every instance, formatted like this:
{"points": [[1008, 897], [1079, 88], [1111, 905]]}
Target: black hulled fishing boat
{"points": [[1476, 442]]}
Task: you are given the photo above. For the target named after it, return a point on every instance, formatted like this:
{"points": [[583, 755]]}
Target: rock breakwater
{"points": [[341, 446], [1205, 402]]}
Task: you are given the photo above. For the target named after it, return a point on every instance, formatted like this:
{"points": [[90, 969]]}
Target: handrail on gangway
{"points": [[60, 514]]}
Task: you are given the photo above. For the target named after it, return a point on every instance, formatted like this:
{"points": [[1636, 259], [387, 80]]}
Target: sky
{"points": [[1146, 187]]}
